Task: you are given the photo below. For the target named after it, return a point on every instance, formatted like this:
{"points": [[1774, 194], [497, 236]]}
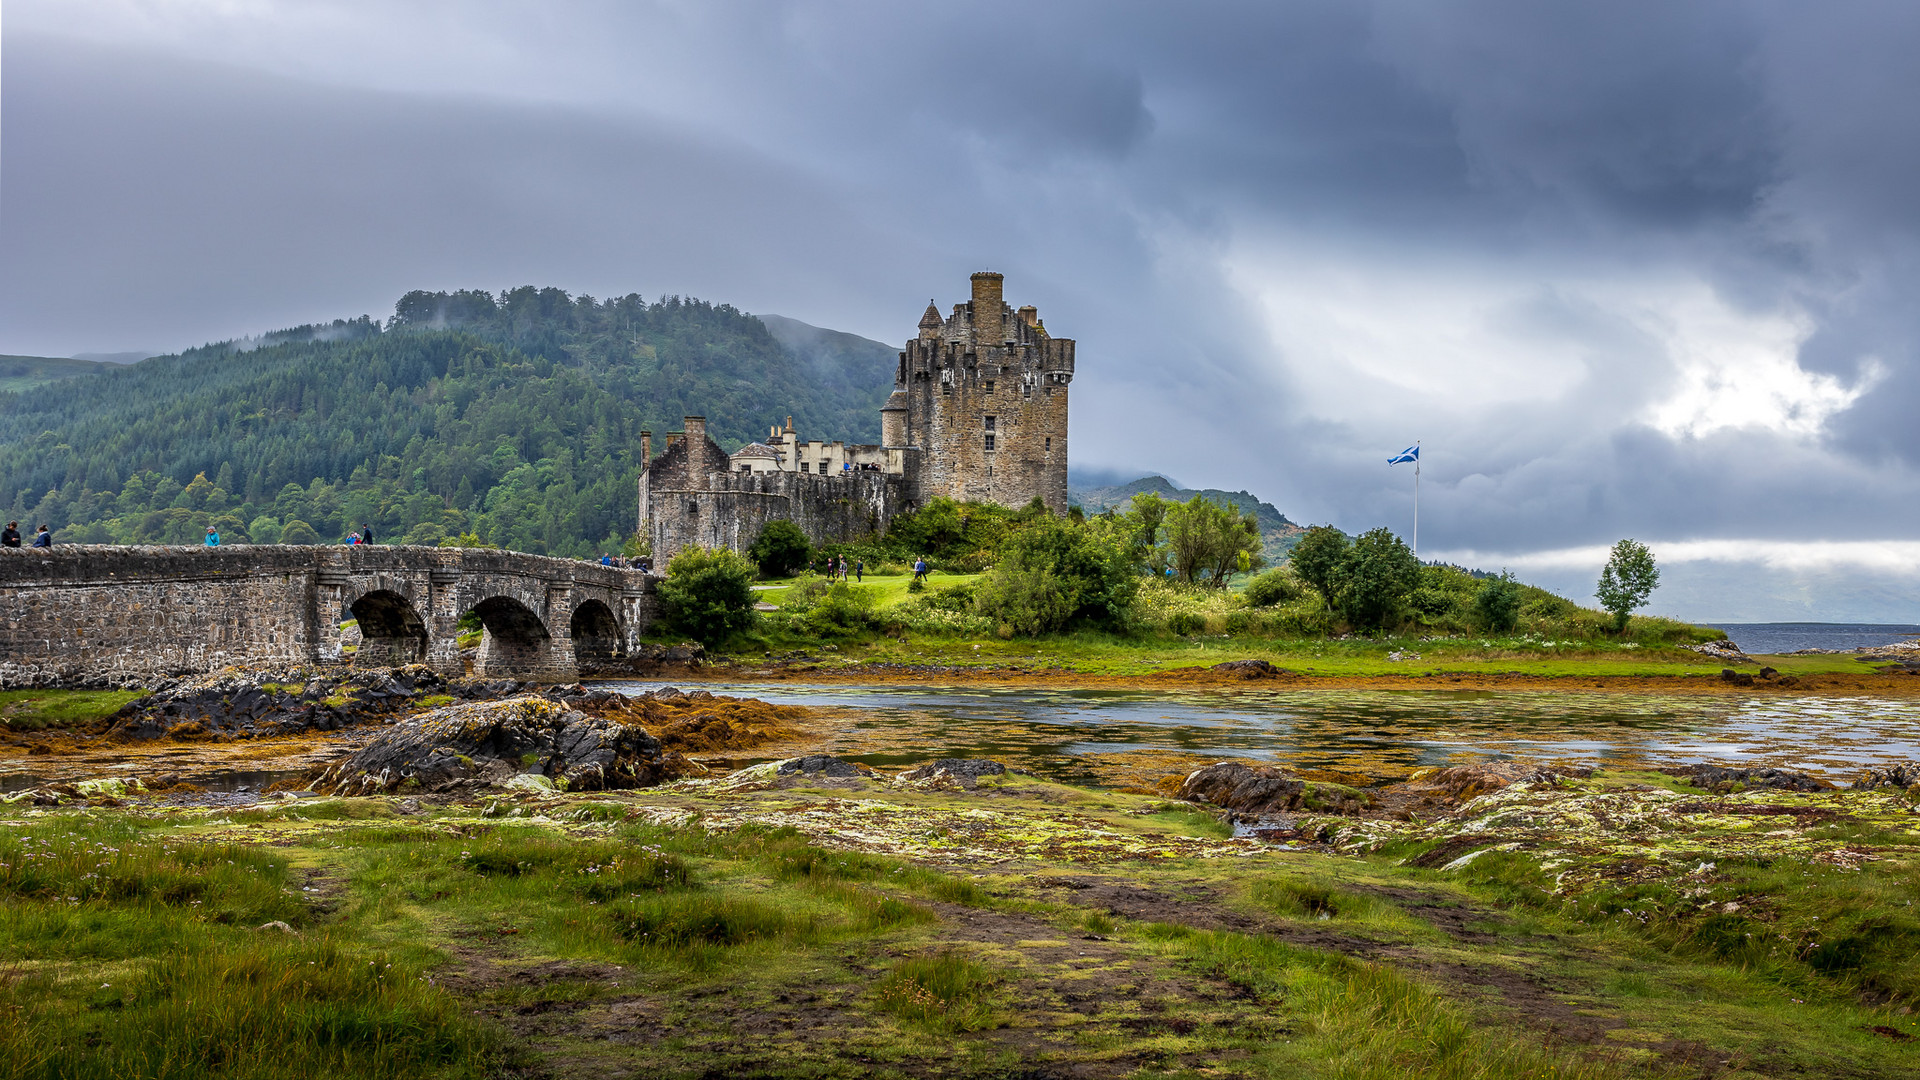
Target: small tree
{"points": [[1053, 575], [1317, 556], [1627, 580], [780, 549], [1497, 605], [1209, 542], [1375, 577], [708, 595]]}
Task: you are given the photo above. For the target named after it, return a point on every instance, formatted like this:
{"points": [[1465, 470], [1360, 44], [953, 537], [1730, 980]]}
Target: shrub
{"points": [[708, 595], [1276, 586], [1374, 578], [1053, 575], [780, 549], [1497, 605], [298, 532], [1187, 622], [804, 593], [1318, 556], [843, 607]]}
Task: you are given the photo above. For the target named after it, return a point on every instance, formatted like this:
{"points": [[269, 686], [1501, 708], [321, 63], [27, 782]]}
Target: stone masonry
{"points": [[978, 413], [123, 614]]}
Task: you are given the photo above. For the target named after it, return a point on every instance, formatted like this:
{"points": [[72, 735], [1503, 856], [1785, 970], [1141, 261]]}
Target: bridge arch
{"points": [[596, 630], [515, 639], [391, 631]]}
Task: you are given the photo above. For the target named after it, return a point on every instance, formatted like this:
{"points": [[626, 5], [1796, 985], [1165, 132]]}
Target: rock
{"points": [[818, 765], [1903, 776], [1723, 650], [1719, 778], [1465, 782], [1249, 791], [1248, 669], [966, 772], [493, 743], [1737, 678], [280, 926]]}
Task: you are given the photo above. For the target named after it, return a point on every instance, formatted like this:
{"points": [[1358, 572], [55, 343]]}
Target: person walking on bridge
{"points": [[366, 534], [10, 536], [213, 537], [43, 538]]}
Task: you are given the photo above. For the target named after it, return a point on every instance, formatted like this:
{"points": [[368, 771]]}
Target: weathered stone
{"points": [[818, 765], [1722, 778], [964, 772], [1247, 790], [1248, 669], [1902, 775], [1464, 782], [496, 744]]}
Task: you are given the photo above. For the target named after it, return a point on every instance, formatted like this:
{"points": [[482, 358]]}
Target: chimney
{"points": [[646, 447], [1030, 315], [697, 463], [987, 329]]}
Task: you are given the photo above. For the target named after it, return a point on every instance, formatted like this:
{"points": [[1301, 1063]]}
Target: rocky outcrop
{"points": [[1723, 650], [1903, 775], [247, 704], [1248, 669], [952, 772], [1722, 779], [1463, 783], [1260, 792], [523, 742], [820, 765]]}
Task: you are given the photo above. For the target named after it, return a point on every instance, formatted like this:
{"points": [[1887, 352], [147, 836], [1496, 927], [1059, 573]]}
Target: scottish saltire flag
{"points": [[1411, 453]]}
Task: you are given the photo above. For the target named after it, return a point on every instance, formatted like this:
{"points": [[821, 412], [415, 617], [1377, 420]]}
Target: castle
{"points": [[978, 413]]}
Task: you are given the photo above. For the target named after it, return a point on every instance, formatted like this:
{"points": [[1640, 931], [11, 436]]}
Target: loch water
{"points": [[1107, 737]]}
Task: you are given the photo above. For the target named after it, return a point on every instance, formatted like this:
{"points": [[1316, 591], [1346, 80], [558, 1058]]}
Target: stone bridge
{"points": [[121, 614]]}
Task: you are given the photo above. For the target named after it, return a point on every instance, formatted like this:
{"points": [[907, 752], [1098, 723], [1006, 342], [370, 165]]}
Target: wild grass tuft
{"points": [[945, 992]]}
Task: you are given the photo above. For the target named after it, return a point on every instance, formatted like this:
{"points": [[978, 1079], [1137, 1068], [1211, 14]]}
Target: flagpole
{"points": [[1416, 501]]}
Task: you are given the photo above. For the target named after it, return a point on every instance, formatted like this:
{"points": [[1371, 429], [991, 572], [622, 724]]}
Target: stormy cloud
{"points": [[1632, 269]]}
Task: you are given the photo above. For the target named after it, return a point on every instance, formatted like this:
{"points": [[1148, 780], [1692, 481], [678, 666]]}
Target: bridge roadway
{"points": [[87, 612]]}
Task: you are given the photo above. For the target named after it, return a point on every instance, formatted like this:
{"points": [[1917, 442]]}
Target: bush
{"points": [[804, 593], [1053, 575], [298, 532], [1186, 622], [708, 595], [780, 549], [1276, 586], [1374, 578], [841, 608], [1496, 607]]}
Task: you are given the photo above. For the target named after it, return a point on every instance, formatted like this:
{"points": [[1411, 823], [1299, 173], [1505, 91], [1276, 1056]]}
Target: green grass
{"points": [[42, 710], [945, 992]]}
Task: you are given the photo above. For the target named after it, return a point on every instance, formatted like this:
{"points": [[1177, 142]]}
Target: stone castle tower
{"points": [[982, 396], [978, 413]]}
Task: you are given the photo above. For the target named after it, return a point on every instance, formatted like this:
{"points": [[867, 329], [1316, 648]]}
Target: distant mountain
{"points": [[27, 372], [1277, 534], [116, 357]]}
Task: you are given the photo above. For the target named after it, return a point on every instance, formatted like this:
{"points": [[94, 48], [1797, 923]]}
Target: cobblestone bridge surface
{"points": [[88, 613]]}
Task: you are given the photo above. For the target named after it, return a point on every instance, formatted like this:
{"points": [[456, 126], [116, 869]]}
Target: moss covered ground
{"points": [[755, 925]]}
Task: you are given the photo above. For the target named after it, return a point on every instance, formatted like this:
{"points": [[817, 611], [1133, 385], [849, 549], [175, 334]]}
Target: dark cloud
{"points": [[1627, 267]]}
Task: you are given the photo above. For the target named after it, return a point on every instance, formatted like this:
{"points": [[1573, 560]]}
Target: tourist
{"points": [[213, 537], [366, 535], [352, 539], [920, 569], [11, 536], [859, 570], [43, 538], [606, 559]]}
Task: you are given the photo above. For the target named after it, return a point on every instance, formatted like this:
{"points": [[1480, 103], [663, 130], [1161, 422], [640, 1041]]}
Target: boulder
{"points": [[1250, 791], [819, 765], [1248, 669], [1464, 782], [964, 772], [1720, 778], [1903, 775], [527, 742]]}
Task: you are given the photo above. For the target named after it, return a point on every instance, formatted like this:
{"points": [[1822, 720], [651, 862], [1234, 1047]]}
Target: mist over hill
{"points": [[514, 416]]}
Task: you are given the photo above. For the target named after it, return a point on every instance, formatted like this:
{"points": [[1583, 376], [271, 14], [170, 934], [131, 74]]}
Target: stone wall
{"points": [[103, 614]]}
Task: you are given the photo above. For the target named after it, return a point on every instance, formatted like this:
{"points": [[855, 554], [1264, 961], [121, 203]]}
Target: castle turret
{"points": [[987, 328], [931, 323]]}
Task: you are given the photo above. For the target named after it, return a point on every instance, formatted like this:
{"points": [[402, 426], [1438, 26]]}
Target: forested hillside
{"points": [[27, 372], [1277, 534], [513, 417]]}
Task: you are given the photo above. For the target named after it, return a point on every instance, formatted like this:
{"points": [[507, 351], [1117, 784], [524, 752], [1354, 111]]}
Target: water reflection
{"points": [[1126, 736]]}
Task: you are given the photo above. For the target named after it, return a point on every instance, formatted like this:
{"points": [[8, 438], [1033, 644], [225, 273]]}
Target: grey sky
{"points": [[1634, 268]]}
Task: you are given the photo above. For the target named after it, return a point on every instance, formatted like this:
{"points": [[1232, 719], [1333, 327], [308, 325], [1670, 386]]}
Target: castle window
{"points": [[989, 440], [823, 468], [1049, 444], [989, 386], [990, 423], [693, 507]]}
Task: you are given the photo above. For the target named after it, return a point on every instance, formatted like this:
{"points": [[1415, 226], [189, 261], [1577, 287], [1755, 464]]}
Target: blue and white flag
{"points": [[1411, 453]]}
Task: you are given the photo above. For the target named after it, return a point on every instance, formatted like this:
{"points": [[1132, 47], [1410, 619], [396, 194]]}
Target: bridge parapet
{"points": [[126, 613]]}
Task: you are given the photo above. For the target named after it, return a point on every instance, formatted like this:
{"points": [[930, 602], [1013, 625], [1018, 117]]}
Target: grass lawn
{"points": [[1027, 929], [38, 710]]}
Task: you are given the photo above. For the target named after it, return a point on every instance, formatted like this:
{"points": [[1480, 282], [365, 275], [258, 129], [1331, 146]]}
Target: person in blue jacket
{"points": [[213, 537], [43, 538]]}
